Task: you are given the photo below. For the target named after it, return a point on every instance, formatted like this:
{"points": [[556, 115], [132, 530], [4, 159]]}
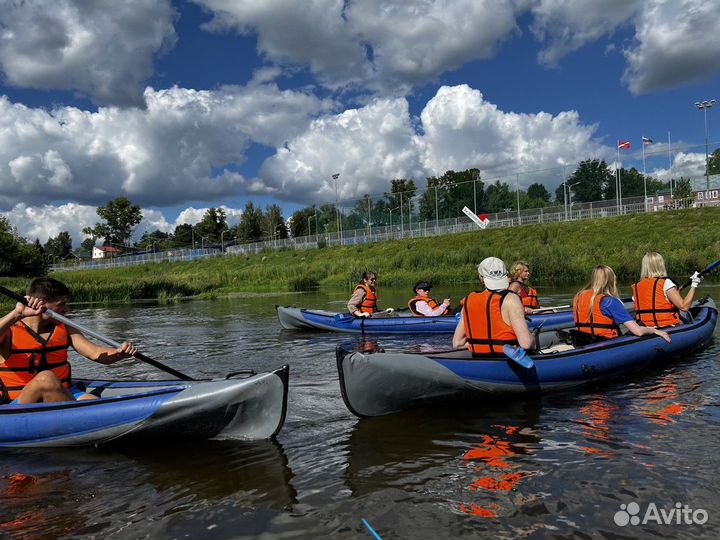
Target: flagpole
{"points": [[617, 179], [642, 142], [670, 165]]}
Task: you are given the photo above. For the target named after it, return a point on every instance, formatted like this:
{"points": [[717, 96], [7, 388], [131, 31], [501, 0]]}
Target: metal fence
{"points": [[413, 229]]}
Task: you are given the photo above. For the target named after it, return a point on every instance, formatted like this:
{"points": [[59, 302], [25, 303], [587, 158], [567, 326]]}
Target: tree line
{"points": [[443, 197]]}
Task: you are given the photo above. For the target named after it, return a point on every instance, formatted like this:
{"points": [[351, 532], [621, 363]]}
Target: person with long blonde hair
{"points": [[657, 299], [599, 312]]}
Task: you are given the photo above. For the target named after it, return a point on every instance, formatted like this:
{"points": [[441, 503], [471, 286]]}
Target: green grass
{"points": [[557, 252]]}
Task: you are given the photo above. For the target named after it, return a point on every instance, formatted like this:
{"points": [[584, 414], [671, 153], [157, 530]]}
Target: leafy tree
{"points": [[401, 191], [538, 192], [498, 197], [683, 189], [591, 178], [17, 256], [183, 235], [89, 243], [58, 248], [714, 162], [452, 191], [301, 220], [212, 225], [121, 217], [631, 184], [250, 228], [274, 223], [361, 213], [156, 239]]}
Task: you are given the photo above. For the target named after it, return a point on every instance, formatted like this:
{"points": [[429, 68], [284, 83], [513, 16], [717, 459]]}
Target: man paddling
{"points": [[34, 349], [492, 318]]}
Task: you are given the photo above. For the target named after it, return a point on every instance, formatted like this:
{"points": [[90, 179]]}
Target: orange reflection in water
{"points": [[494, 453], [597, 416], [27, 520], [663, 404]]}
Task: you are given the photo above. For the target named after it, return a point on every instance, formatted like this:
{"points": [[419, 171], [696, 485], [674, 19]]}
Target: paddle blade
{"points": [[518, 355]]}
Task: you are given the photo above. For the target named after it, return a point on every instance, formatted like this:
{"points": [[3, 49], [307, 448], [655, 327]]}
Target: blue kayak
{"points": [[292, 318], [252, 407], [374, 384]]}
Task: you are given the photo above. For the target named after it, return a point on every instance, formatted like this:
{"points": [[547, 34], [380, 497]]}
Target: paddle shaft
{"points": [[554, 308], [709, 268], [87, 331]]}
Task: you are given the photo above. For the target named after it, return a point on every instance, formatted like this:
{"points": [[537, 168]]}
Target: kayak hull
{"points": [[249, 408], [292, 318], [382, 383]]}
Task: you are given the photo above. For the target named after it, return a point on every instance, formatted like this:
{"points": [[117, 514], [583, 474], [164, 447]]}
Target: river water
{"points": [[564, 466]]}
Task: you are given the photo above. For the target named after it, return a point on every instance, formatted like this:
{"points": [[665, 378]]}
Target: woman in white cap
{"points": [[494, 317], [422, 305]]}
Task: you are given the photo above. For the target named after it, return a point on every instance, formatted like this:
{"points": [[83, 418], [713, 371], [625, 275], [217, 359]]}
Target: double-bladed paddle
{"points": [[77, 326], [709, 268]]}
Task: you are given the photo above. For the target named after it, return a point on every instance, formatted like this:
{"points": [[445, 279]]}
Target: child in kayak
{"points": [[34, 348]]}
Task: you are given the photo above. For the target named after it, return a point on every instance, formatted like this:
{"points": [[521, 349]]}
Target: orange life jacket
{"points": [[431, 302], [485, 329], [593, 321], [528, 295], [652, 308], [369, 303], [30, 354]]}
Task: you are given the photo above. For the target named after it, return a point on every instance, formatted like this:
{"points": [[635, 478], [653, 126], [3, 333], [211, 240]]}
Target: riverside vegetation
{"points": [[558, 253]]}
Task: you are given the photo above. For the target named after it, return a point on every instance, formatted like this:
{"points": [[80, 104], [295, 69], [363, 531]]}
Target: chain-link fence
{"points": [[404, 230]]}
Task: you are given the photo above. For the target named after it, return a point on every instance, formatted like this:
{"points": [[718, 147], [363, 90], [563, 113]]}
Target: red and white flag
{"points": [[624, 144]]}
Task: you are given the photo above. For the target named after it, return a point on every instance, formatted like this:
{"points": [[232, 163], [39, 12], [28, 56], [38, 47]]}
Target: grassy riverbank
{"points": [[557, 252]]}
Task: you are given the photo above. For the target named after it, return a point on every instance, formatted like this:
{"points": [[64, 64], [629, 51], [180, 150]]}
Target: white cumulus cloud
{"points": [[185, 146], [101, 49], [380, 45], [370, 146]]}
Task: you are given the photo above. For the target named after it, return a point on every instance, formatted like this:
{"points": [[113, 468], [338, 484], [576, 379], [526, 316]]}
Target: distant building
{"points": [[104, 252], [662, 200]]}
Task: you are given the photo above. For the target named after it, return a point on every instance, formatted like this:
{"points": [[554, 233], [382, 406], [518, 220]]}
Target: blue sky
{"points": [[183, 105]]}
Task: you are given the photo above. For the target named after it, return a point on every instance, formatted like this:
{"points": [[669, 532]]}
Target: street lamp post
{"points": [[222, 242], [391, 211], [309, 234], [517, 190], [337, 209], [704, 106], [569, 195], [402, 218], [369, 218]]}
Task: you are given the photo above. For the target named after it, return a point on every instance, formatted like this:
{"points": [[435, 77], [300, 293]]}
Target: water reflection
{"points": [[403, 449], [56, 493], [555, 468]]}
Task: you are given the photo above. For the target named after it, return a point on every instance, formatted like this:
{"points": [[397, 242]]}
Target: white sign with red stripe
{"points": [[481, 220]]}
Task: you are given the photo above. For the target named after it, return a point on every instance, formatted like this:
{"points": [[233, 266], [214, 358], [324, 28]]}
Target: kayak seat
{"points": [[576, 338], [559, 347]]}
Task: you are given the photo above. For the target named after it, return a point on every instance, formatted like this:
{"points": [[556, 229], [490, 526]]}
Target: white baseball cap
{"points": [[494, 274]]}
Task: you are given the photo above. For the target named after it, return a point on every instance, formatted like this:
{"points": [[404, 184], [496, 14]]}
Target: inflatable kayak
{"points": [[292, 318], [381, 383], [245, 405]]}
